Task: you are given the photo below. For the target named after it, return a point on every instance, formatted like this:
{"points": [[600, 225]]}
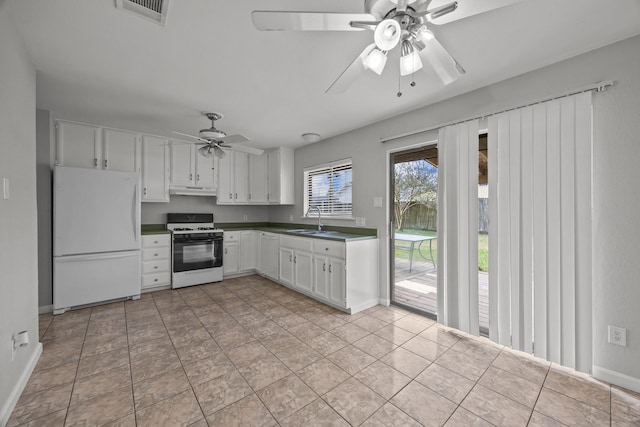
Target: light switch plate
{"points": [[5, 188], [377, 202]]}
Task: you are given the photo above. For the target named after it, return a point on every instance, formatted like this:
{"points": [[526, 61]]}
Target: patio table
{"points": [[413, 239]]}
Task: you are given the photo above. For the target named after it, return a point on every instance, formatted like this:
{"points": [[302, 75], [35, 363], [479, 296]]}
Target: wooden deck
{"points": [[418, 289]]}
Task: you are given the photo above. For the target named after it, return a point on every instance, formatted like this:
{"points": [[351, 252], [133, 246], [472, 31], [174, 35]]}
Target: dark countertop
{"points": [[331, 232], [154, 229]]}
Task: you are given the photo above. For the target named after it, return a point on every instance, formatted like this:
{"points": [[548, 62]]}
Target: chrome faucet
{"points": [[319, 214]]}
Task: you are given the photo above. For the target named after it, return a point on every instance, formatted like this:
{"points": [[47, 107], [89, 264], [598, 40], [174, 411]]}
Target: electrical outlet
{"points": [[291, 218], [245, 217], [618, 336], [377, 202], [357, 221], [363, 221]]}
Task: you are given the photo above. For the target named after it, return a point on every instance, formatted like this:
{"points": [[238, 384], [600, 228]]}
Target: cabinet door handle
{"points": [[190, 177], [198, 177], [230, 196], [329, 268], [105, 163], [155, 242], [155, 254], [290, 257], [236, 196], [155, 267], [225, 251], [145, 191], [324, 266], [295, 259], [95, 162]]}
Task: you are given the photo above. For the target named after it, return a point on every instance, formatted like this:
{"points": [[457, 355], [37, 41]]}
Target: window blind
{"points": [[328, 187]]}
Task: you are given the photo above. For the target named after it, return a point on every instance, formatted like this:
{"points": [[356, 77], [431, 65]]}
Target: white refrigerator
{"points": [[96, 236]]}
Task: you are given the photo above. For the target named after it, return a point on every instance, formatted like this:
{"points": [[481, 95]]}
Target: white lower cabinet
{"points": [[231, 256], [296, 262], [240, 251], [248, 250], [269, 255], [329, 279], [156, 261]]}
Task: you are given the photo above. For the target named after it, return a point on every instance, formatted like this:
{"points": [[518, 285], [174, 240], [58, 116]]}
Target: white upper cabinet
{"points": [[85, 146], [77, 145], [121, 151], [233, 179], [155, 169], [191, 173], [280, 176], [258, 178]]}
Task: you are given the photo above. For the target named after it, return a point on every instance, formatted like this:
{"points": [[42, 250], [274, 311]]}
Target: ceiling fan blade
{"points": [[466, 9], [351, 73], [436, 56], [245, 149], [265, 20], [191, 136], [219, 152], [232, 139]]}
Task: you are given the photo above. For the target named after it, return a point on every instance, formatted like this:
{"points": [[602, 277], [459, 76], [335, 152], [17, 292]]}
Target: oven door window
{"points": [[194, 255]]}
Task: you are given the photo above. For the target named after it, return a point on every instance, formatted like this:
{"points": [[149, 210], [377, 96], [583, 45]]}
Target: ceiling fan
{"points": [[214, 142], [394, 23]]}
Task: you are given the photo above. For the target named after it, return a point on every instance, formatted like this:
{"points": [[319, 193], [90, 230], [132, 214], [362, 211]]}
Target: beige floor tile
{"points": [[207, 369], [297, 356], [445, 382], [264, 371], [382, 379], [197, 350], [569, 411], [395, 334], [464, 364], [289, 320], [36, 405], [95, 385], [354, 401], [286, 396], [64, 331], [263, 329], [153, 365], [511, 386], [351, 359], [625, 405], [580, 387], [350, 332], [104, 343], [179, 410], [102, 362], [322, 376], [246, 354], [151, 348], [306, 331], [440, 335], [329, 322], [189, 335], [50, 420], [126, 421], [48, 378], [234, 339], [463, 418], [388, 315], [539, 420], [101, 410], [222, 391], [246, 412], [496, 408], [326, 343], [156, 389], [390, 416], [424, 405], [425, 348], [146, 333], [412, 324], [406, 362], [369, 323], [534, 370], [279, 340], [317, 413], [479, 347], [375, 346]]}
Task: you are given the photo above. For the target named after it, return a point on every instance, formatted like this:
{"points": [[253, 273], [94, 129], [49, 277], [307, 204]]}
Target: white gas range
{"points": [[197, 249]]}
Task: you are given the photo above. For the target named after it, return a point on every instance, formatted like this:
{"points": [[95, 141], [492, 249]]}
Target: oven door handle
{"points": [[193, 240]]}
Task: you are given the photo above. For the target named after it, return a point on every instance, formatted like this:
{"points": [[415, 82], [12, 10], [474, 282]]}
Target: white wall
{"points": [[156, 213], [616, 176], [18, 219], [44, 183]]}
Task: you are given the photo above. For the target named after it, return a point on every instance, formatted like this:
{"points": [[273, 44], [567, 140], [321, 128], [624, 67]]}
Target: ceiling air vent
{"points": [[154, 10]]}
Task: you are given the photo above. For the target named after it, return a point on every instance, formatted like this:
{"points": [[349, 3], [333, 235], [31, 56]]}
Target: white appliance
{"points": [[197, 249], [96, 236]]}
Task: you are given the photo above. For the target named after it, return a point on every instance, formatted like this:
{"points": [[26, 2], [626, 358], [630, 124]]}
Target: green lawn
{"points": [[483, 248]]}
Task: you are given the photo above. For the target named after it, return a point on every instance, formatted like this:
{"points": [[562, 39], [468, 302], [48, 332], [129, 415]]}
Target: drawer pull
{"points": [[156, 242], [155, 280], [155, 267], [155, 254]]}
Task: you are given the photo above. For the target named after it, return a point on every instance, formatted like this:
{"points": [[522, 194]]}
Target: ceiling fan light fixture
{"points": [[206, 151], [387, 34], [375, 61], [212, 134], [410, 61]]}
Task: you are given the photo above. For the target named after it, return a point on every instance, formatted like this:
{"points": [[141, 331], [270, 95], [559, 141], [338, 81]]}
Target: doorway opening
{"points": [[414, 254]]}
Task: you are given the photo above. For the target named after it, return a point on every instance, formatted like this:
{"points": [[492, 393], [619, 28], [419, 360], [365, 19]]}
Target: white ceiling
{"points": [[106, 66]]}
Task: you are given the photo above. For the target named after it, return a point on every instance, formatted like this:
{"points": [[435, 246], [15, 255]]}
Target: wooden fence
{"points": [[423, 217]]}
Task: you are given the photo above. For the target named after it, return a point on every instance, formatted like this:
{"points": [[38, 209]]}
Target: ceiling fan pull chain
{"points": [[399, 88]]}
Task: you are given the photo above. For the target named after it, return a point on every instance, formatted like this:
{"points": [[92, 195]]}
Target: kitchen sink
{"points": [[311, 232]]}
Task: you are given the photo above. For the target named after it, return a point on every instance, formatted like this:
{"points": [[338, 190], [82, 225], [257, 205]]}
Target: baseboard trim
{"points": [[45, 309], [385, 302], [10, 404], [616, 378]]}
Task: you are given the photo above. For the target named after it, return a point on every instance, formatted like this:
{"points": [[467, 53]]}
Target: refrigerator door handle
{"points": [[134, 212], [80, 258]]}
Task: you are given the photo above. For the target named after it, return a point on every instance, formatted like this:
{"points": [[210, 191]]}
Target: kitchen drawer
{"points": [[328, 248], [231, 236], [156, 240], [297, 243], [157, 279], [163, 252], [156, 266]]}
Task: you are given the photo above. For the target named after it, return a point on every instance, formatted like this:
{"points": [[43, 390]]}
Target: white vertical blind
{"points": [[540, 230], [329, 188], [458, 227]]}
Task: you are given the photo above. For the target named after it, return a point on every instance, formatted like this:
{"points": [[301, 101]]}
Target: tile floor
{"points": [[249, 352]]}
